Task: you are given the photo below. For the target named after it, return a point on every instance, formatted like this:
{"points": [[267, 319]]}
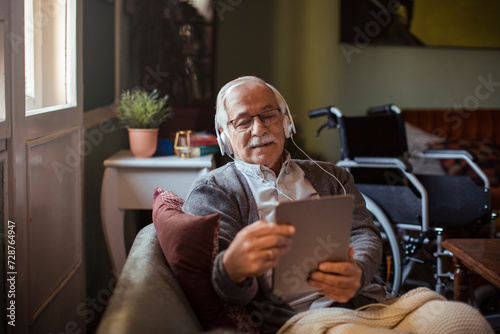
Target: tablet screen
{"points": [[323, 228]]}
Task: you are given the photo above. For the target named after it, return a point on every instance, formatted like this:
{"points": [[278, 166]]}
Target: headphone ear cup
{"points": [[288, 126], [224, 146], [220, 141]]}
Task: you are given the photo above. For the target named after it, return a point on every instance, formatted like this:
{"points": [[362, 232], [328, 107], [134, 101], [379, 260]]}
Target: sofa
{"points": [[475, 130], [147, 297]]}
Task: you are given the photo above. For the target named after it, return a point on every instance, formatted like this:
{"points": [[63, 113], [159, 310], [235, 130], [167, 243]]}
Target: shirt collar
{"points": [[257, 170]]}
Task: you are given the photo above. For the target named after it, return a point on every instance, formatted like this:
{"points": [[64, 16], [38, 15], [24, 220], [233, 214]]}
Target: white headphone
{"points": [[225, 145]]}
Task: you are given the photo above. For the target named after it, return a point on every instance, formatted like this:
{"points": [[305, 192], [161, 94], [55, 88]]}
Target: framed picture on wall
{"points": [[443, 23]]}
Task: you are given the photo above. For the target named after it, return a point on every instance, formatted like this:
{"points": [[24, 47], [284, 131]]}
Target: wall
{"points": [[100, 278], [294, 45], [420, 77], [308, 69], [98, 53], [290, 44], [245, 37], [102, 140]]}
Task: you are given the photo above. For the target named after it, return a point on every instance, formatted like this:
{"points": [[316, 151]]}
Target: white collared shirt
{"points": [[269, 189]]}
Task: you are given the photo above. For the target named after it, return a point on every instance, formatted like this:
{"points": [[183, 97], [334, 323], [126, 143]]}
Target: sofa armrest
{"points": [[147, 298]]}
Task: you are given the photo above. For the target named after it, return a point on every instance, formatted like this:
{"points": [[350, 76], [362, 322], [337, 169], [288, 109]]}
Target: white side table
{"points": [[128, 183]]}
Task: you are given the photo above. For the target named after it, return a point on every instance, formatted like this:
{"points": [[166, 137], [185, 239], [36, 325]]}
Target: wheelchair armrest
{"points": [[469, 158], [447, 154], [401, 163]]}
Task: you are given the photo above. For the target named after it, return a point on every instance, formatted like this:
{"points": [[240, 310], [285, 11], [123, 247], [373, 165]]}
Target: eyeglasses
{"points": [[267, 118]]}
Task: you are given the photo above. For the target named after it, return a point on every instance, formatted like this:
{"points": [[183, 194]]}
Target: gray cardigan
{"points": [[225, 190]]}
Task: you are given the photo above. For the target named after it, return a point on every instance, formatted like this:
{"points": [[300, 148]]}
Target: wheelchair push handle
{"points": [[318, 112], [332, 114], [388, 108]]}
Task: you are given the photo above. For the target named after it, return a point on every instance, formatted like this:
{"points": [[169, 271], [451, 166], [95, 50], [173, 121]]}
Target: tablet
{"points": [[323, 229]]}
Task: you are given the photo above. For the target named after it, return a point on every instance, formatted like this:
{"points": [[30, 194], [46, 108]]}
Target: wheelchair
{"points": [[414, 213]]}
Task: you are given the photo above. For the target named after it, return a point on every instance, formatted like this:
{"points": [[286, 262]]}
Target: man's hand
{"points": [[338, 280], [256, 249]]}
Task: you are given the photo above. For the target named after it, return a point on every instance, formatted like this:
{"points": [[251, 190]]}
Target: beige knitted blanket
{"points": [[419, 311]]}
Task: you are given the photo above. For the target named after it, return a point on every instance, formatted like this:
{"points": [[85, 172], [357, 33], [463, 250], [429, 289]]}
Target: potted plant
{"points": [[142, 113]]}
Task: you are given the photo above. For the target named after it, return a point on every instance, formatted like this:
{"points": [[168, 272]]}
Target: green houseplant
{"points": [[142, 113]]}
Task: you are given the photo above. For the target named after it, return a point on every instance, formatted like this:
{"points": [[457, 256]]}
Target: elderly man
{"points": [[253, 121]]}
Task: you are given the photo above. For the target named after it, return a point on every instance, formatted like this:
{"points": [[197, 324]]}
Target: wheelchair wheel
{"points": [[390, 270], [487, 298]]}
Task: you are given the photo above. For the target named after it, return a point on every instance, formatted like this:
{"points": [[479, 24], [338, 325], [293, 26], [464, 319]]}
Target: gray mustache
{"points": [[262, 140]]}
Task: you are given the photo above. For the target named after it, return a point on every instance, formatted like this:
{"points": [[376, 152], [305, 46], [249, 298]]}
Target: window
{"points": [[50, 54]]}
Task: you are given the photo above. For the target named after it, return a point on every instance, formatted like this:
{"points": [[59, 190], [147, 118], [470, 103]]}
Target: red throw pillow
{"points": [[190, 244]]}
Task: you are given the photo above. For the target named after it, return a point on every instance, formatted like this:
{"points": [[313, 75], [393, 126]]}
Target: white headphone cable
{"points": [[269, 183], [293, 141], [281, 192]]}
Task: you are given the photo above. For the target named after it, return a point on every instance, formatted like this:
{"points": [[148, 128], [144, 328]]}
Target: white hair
{"points": [[221, 117]]}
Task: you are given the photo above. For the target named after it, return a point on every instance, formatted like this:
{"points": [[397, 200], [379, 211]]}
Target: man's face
{"points": [[259, 144]]}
